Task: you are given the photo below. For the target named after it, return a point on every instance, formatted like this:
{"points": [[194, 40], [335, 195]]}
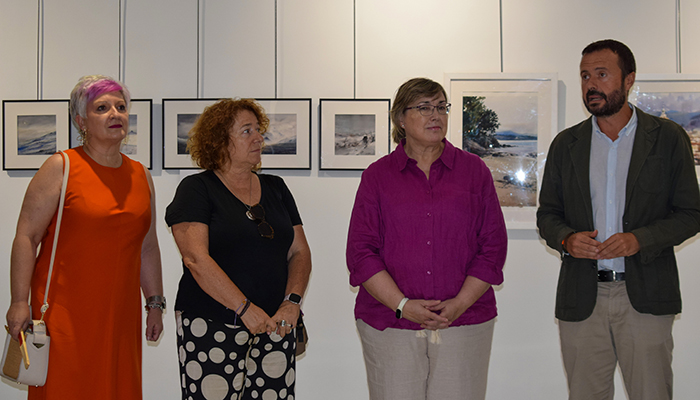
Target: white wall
{"points": [[396, 40]]}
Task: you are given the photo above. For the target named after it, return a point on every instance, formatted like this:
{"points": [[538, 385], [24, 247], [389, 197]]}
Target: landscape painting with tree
{"points": [[501, 128]]}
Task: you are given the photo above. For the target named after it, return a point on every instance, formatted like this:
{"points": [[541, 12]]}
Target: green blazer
{"points": [[662, 209]]}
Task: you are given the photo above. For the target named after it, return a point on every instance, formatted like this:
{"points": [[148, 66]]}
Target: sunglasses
{"points": [[257, 213]]}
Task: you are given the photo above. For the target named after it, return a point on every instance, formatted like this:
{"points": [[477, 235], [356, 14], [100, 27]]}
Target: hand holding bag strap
{"points": [[61, 202]]}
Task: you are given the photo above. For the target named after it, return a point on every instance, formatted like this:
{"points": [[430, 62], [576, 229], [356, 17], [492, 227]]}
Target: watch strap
{"points": [[293, 298], [399, 309]]}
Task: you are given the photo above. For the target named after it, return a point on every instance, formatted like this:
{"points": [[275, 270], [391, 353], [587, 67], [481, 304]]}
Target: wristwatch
{"points": [[293, 298], [399, 309]]}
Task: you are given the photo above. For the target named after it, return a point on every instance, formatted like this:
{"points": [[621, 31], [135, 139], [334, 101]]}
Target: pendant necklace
{"points": [[247, 213]]}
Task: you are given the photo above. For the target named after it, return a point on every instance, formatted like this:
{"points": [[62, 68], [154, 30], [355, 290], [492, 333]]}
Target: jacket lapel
{"points": [[580, 152], [644, 139]]}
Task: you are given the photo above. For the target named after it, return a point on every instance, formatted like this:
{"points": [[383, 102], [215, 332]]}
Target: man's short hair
{"points": [[625, 58]]}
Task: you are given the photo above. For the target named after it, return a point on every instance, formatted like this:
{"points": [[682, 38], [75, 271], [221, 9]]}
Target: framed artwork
{"points": [[179, 115], [33, 130], [139, 140], [288, 138], [354, 132], [508, 120], [672, 96]]}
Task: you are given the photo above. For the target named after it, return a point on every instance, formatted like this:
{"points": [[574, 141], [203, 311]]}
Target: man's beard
{"points": [[613, 103]]}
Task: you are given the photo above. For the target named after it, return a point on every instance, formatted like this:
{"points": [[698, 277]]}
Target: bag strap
{"points": [[61, 202]]}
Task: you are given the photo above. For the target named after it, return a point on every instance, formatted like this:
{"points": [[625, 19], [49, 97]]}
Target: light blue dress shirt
{"points": [[610, 161]]}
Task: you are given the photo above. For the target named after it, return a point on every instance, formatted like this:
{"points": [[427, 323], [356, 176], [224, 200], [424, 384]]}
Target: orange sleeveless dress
{"points": [[94, 315]]}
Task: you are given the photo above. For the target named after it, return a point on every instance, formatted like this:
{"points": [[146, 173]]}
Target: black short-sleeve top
{"points": [[255, 264]]}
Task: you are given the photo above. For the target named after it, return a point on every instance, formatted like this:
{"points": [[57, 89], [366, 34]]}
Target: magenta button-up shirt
{"points": [[429, 235]]}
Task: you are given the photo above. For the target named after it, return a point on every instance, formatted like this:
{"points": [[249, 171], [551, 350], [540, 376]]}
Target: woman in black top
{"points": [[245, 258]]}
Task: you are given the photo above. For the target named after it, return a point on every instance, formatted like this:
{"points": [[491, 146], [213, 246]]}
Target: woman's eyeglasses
{"points": [[257, 213], [428, 109]]}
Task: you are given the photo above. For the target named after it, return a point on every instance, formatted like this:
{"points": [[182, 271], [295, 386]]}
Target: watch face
{"points": [[294, 298]]}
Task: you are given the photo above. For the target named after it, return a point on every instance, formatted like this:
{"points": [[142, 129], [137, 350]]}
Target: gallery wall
{"points": [[345, 49]]}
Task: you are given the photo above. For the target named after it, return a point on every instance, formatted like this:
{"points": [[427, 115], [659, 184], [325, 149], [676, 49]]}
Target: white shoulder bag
{"points": [[33, 371]]}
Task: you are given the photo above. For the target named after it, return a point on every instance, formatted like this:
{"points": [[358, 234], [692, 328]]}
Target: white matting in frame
{"points": [[33, 130], [508, 120], [179, 115], [139, 139], [288, 138], [672, 96], [354, 132]]}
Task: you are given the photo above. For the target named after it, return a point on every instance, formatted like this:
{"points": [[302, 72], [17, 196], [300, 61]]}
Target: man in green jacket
{"points": [[619, 191]]}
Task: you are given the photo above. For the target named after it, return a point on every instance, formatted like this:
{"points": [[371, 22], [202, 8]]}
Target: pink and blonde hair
{"points": [[88, 89]]}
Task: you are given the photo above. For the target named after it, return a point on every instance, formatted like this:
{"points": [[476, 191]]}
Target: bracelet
{"points": [[151, 306], [156, 301], [245, 308], [244, 305]]}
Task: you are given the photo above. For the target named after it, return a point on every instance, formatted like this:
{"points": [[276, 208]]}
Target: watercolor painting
{"points": [[355, 134], [682, 108], [36, 134], [185, 122], [281, 135], [501, 128]]}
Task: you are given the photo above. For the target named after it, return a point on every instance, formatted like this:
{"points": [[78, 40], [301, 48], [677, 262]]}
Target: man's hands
{"points": [[584, 245]]}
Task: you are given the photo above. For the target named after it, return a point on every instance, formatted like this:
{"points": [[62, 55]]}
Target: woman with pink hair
{"points": [[107, 254]]}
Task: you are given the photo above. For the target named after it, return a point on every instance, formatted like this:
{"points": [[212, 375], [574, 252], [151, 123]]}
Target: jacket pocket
{"points": [[660, 277]]}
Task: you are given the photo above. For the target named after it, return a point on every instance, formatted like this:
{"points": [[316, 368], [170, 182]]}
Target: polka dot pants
{"points": [[225, 362]]}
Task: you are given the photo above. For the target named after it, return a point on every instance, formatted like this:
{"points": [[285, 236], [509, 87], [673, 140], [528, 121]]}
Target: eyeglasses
{"points": [[427, 109], [257, 213]]}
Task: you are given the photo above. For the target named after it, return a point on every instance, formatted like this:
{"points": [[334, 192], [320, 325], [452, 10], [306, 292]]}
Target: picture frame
{"points": [[288, 138], [33, 130], [139, 142], [289, 132], [354, 132], [508, 120], [179, 115], [672, 96]]}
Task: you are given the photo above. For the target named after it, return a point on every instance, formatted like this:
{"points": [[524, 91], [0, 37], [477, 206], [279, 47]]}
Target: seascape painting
{"points": [[36, 134], [131, 142], [501, 128], [281, 135], [355, 134], [185, 122], [682, 108]]}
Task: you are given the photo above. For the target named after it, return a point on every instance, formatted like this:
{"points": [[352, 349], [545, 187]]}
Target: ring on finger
{"points": [[283, 323]]}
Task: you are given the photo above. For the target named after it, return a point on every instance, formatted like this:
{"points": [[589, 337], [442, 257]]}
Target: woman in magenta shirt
{"points": [[426, 242]]}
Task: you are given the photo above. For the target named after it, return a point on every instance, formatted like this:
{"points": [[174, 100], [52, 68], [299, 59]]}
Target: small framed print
{"points": [[672, 96], [354, 132], [33, 130], [179, 116], [288, 138], [508, 120], [139, 139]]}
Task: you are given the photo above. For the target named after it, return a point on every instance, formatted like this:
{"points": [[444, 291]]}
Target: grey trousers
{"points": [[616, 333], [415, 365]]}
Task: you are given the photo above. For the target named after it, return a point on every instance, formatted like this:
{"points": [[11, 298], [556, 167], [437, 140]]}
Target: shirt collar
{"points": [[447, 157], [624, 131]]}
